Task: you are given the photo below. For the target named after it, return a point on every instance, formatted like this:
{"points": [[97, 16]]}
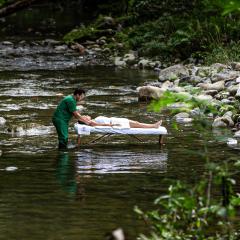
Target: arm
{"points": [[89, 122]]}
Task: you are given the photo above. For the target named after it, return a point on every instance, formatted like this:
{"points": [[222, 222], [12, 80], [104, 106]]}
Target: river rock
{"points": [[146, 93], [1, 152], [117, 234], [143, 63], [233, 89], [235, 66], [173, 72], [166, 85], [51, 42], [2, 121], [237, 134], [78, 47], [215, 86], [232, 141], [7, 43], [118, 62], [202, 97], [224, 121], [129, 58], [61, 48], [218, 122], [195, 79], [182, 115], [177, 89], [195, 112], [203, 72], [11, 168], [219, 66], [219, 77], [238, 92]]}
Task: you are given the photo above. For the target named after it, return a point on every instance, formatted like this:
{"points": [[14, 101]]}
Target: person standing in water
{"points": [[63, 114]]}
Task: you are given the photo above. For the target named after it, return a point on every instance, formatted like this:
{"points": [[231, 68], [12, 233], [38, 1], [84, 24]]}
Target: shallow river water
{"points": [[85, 193]]}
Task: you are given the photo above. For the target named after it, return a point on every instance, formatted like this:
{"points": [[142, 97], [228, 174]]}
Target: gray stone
{"points": [[143, 63], [61, 48], [119, 62], [218, 122], [7, 43], [219, 66], [195, 112], [195, 79], [233, 89], [173, 72], [237, 134], [203, 72], [202, 97], [224, 121], [215, 86], [182, 115], [167, 85], [236, 66], [129, 58], [149, 92], [2, 121]]}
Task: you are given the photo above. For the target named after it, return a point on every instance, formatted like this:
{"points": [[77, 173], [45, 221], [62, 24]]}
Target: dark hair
{"points": [[79, 91], [80, 122]]}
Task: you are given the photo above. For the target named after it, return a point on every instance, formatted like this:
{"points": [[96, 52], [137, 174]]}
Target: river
{"points": [[86, 192]]}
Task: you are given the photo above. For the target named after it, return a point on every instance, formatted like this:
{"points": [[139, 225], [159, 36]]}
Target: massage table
{"points": [[104, 131]]}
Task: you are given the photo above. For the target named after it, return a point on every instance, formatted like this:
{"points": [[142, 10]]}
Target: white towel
{"points": [[122, 123], [84, 129]]}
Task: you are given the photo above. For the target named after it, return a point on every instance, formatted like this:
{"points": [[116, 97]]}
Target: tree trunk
{"points": [[16, 6]]}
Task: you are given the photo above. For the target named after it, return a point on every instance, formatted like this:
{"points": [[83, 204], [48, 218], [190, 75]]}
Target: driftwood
{"points": [[15, 6]]}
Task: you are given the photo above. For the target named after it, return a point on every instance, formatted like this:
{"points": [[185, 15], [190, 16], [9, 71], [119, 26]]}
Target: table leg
{"points": [[78, 141], [160, 140]]}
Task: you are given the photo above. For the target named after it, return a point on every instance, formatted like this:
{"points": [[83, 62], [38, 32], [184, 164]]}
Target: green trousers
{"points": [[62, 131]]}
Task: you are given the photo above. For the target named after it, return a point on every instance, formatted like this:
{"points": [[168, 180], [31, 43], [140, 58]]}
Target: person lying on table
{"points": [[119, 122]]}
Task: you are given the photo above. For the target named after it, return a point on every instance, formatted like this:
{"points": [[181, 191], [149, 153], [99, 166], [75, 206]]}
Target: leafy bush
{"points": [[205, 211]]}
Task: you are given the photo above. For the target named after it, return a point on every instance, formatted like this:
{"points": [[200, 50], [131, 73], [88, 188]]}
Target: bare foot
{"points": [[158, 124]]}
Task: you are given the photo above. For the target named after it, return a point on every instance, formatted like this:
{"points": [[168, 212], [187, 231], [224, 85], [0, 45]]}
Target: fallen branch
{"points": [[16, 6]]}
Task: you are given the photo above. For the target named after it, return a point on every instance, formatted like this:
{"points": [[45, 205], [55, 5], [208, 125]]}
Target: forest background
{"points": [[204, 30]]}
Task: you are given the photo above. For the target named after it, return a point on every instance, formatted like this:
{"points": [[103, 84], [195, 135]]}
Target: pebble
{"points": [[232, 141], [11, 169]]}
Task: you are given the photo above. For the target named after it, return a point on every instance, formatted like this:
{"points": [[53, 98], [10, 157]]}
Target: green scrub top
{"points": [[65, 109]]}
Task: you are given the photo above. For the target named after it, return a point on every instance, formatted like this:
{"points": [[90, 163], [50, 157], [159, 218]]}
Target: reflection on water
{"points": [[65, 173], [120, 162]]}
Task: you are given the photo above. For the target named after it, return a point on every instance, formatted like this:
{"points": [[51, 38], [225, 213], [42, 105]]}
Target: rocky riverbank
{"points": [[218, 83]]}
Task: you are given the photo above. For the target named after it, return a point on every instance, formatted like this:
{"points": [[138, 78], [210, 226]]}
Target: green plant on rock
{"points": [[80, 33]]}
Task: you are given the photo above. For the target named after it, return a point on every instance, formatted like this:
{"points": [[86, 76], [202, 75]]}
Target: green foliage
{"points": [[223, 54], [182, 37], [192, 212], [81, 33], [2, 2], [170, 98]]}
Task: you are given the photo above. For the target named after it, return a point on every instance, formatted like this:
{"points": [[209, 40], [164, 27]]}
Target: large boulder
{"points": [[147, 93], [173, 72]]}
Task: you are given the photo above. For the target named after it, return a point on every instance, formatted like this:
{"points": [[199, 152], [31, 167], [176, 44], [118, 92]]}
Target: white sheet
{"points": [[79, 128]]}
